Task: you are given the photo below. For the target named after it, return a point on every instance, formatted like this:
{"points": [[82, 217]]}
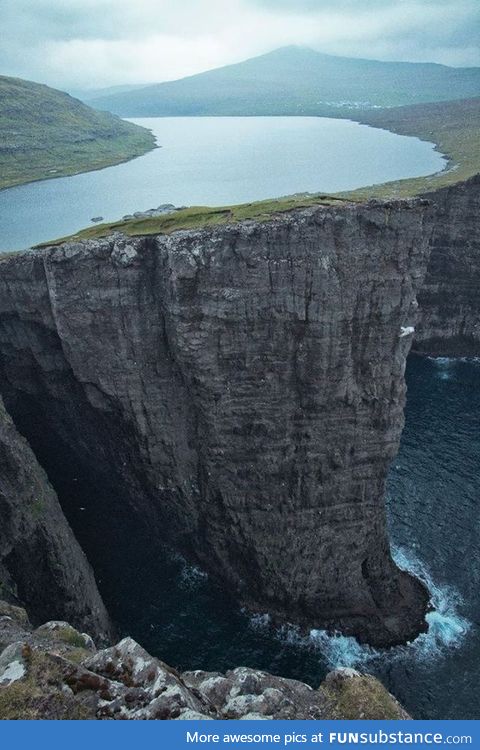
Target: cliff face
{"points": [[41, 562], [239, 392], [449, 301]]}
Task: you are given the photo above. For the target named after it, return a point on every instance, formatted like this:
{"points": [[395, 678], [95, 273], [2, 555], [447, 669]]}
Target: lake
{"points": [[216, 161]]}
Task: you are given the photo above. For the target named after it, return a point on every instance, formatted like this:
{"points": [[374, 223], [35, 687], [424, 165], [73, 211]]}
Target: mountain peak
{"points": [[297, 80]]}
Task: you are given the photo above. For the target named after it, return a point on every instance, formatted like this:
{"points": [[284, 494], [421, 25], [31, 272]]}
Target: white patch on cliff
{"points": [[13, 672]]}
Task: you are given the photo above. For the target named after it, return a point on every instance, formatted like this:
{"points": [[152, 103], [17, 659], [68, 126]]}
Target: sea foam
{"points": [[446, 628]]}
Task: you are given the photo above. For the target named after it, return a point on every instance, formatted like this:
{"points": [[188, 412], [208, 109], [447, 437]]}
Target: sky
{"points": [[82, 44]]}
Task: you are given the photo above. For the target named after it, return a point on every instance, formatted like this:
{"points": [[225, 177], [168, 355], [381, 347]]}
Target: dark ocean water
{"points": [[434, 515]]}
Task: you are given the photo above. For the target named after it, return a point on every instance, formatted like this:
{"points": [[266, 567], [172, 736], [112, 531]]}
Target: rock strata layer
{"points": [[55, 672], [240, 389]]}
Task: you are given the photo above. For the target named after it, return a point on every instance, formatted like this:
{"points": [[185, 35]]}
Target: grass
{"points": [[196, 217], [361, 697], [66, 634], [11, 610], [71, 637], [31, 165], [39, 695], [454, 127], [45, 133]]}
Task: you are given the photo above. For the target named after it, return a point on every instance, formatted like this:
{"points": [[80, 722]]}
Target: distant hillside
{"points": [[453, 126], [86, 95], [296, 81], [46, 133]]}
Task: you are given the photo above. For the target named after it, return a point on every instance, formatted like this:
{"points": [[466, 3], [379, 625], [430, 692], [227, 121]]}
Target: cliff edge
{"points": [[237, 391]]}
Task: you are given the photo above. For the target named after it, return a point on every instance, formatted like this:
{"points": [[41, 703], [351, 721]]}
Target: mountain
{"points": [[86, 95], [296, 80], [47, 133]]}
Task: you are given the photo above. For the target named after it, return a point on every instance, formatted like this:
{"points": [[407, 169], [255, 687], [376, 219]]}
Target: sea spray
{"points": [[446, 629], [341, 650], [191, 576], [187, 575]]}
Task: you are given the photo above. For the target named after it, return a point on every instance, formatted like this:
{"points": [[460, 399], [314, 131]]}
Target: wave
{"points": [[449, 360], [446, 628], [191, 577], [341, 650], [188, 576]]}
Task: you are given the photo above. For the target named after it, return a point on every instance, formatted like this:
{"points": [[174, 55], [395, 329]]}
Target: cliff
{"points": [[449, 321], [236, 392], [41, 563], [55, 672]]}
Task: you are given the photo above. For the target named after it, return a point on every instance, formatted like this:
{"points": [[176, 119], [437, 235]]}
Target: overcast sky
{"points": [[94, 43]]}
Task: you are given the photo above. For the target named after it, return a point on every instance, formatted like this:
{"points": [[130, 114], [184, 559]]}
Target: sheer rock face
{"points": [[41, 562], [241, 390], [450, 300]]}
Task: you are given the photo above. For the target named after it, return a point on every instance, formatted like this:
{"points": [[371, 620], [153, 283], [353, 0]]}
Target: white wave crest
{"points": [[446, 628]]}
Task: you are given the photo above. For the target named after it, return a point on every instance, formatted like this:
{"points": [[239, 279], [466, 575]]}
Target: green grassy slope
{"points": [[46, 133], [296, 81], [195, 217], [453, 126]]}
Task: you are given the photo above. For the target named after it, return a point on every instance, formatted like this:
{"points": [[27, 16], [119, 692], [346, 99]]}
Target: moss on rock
{"points": [[351, 695], [41, 694], [65, 633]]}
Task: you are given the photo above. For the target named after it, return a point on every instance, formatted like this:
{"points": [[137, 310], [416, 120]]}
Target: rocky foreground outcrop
{"points": [[238, 391], [55, 672]]}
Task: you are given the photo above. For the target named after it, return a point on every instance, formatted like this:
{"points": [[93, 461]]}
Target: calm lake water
{"points": [[215, 161]]}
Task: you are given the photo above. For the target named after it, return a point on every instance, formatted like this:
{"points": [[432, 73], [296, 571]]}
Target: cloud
{"points": [[352, 5], [93, 43]]}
